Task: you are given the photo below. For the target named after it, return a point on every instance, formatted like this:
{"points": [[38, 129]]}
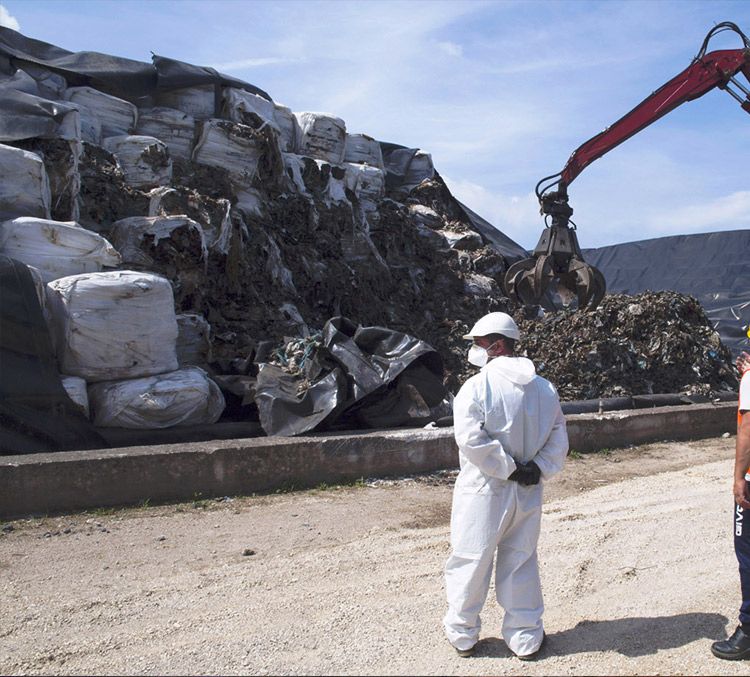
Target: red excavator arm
{"points": [[557, 256]]}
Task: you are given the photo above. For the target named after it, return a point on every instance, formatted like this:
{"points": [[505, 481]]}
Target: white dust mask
{"points": [[478, 356]]}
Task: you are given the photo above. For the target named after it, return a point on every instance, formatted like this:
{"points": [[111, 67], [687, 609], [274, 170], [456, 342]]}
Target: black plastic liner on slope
{"points": [[397, 159], [368, 377], [36, 414], [712, 267]]}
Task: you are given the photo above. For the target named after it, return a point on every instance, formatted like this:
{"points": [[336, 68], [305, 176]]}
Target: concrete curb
{"points": [[35, 484]]}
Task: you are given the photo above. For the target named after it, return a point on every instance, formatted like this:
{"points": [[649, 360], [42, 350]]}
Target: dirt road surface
{"points": [[637, 568]]}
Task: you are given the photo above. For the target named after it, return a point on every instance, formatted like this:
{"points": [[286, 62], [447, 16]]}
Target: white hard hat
{"points": [[495, 323]]}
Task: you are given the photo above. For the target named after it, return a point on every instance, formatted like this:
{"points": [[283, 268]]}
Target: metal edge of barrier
{"points": [[35, 484]]}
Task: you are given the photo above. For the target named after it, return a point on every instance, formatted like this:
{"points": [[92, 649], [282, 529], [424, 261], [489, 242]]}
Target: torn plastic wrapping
{"points": [[175, 128], [144, 160], [361, 377]]}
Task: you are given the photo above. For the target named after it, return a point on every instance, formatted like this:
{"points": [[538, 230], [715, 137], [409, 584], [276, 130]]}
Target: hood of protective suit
{"points": [[518, 370]]}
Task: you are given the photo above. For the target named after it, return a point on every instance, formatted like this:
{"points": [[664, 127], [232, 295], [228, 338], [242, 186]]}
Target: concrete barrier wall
{"points": [[63, 481]]}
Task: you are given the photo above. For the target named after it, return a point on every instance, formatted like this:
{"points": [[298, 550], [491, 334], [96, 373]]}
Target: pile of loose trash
{"points": [[649, 343], [199, 250]]}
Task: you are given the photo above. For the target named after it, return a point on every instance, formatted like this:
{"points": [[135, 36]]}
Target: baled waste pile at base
{"points": [[194, 251]]}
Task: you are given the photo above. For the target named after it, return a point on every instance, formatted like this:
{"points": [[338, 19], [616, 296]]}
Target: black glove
{"points": [[526, 474]]}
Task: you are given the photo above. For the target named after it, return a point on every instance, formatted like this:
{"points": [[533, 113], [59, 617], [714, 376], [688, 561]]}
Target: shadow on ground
{"points": [[630, 637]]}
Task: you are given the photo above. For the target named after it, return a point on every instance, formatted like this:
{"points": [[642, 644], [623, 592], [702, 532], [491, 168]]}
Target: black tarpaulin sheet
{"points": [[36, 414], [173, 74], [712, 267], [396, 161], [126, 78], [511, 251], [372, 377], [101, 71]]}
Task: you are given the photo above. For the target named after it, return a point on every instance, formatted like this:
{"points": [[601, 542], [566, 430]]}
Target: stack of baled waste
{"points": [[263, 222], [170, 139], [115, 333]]}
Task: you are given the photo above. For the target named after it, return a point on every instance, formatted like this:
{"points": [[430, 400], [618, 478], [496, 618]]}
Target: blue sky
{"points": [[500, 93]]}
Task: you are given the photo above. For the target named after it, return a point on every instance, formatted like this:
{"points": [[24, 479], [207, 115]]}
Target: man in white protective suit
{"points": [[511, 436]]}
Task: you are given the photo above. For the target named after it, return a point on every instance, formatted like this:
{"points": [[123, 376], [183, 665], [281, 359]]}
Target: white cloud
{"points": [[7, 20], [727, 212], [254, 63], [451, 48]]}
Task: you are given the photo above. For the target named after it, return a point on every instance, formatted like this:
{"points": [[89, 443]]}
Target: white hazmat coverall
{"points": [[503, 414]]}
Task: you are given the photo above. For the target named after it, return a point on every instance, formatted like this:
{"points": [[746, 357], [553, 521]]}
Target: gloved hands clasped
{"points": [[526, 474]]}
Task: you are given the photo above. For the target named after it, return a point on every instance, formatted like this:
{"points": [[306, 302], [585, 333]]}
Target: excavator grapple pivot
{"points": [[557, 263]]}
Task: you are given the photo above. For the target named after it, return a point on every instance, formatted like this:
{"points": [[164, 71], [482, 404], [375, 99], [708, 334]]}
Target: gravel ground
{"points": [[637, 568]]}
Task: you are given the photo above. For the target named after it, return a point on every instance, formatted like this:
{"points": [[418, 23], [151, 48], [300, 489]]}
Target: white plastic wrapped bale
{"points": [[193, 340], [56, 248], [367, 183], [308, 174], [361, 148], [128, 234], [144, 160], [76, 389], [90, 125], [24, 185], [217, 233], [294, 166], [288, 128], [336, 189], [231, 146], [199, 102], [183, 397], [247, 108], [113, 325], [173, 127], [420, 168], [322, 136], [116, 116]]}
